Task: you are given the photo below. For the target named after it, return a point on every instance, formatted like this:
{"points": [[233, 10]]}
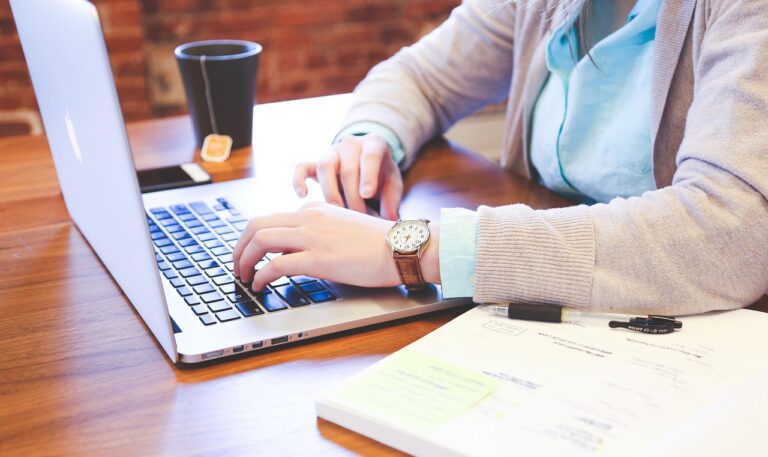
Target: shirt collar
{"points": [[562, 50]]}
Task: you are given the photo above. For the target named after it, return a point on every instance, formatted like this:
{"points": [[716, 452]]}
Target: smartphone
{"points": [[184, 175]]}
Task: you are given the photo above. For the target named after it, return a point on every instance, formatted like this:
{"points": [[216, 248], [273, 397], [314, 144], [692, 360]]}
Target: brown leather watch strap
{"points": [[409, 270]]}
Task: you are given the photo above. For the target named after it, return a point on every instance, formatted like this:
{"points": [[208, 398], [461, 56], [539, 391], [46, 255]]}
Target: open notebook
{"points": [[484, 385]]}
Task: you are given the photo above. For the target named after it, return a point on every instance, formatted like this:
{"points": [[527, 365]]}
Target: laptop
{"points": [[171, 251]]}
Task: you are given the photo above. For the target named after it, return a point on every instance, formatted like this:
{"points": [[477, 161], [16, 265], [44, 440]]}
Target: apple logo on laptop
{"points": [[73, 137]]}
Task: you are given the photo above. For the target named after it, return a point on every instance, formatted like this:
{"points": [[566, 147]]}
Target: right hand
{"points": [[356, 168]]}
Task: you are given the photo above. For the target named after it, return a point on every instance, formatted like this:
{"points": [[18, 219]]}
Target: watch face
{"points": [[408, 236]]}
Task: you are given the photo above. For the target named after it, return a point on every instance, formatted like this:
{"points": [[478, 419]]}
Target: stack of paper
{"points": [[485, 385]]}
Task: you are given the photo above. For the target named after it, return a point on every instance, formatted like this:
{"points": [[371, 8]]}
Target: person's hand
{"points": [[325, 242], [357, 168]]}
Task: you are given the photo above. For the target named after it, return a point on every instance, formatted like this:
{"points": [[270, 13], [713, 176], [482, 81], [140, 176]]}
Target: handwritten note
{"points": [[417, 390]]}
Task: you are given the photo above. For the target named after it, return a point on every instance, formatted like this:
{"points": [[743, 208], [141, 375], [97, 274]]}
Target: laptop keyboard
{"points": [[193, 248]]}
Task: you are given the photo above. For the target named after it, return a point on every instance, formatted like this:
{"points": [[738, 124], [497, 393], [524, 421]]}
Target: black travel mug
{"points": [[220, 82]]}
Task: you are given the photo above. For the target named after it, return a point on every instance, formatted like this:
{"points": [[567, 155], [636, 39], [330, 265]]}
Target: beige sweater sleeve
{"points": [[461, 66], [700, 244]]}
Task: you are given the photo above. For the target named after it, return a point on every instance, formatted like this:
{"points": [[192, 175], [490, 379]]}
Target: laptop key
{"points": [[227, 288], [319, 297], [160, 215], [240, 225], [281, 281], [271, 302], [292, 295], [211, 297], [176, 256], [177, 282], [199, 230], [232, 243], [182, 264], [207, 319], [173, 228], [163, 242], [206, 236], [187, 217], [313, 286], [193, 222], [168, 249], [192, 300], [158, 210], [200, 208], [233, 219], [206, 264], [188, 242], [209, 217], [228, 315], [222, 250], [199, 310], [213, 272], [204, 289], [170, 274], [222, 230], [225, 258], [302, 279], [180, 235], [219, 306], [187, 272], [196, 280], [183, 291], [194, 249], [216, 223], [221, 280], [156, 235], [230, 266], [230, 236], [249, 308], [180, 209], [238, 295], [163, 265], [213, 244], [234, 298], [200, 256]]}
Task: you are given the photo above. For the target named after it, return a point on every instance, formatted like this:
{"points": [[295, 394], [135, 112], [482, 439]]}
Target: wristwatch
{"points": [[407, 239]]}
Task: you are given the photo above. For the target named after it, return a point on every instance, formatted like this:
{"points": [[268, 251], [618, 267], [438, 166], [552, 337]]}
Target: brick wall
{"points": [[311, 47]]}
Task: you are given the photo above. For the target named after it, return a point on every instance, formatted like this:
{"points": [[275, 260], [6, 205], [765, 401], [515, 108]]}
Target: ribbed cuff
{"points": [[534, 256]]}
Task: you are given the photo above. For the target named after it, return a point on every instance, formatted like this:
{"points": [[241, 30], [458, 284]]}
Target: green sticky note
{"points": [[416, 390]]}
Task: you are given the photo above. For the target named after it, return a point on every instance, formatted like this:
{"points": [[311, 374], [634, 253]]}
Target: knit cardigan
{"points": [[697, 243]]}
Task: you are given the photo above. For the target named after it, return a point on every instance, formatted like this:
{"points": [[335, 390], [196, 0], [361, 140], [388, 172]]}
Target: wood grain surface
{"points": [[80, 374]]}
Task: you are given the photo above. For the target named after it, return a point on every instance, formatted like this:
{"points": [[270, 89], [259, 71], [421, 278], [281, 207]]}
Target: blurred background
{"points": [[311, 48]]}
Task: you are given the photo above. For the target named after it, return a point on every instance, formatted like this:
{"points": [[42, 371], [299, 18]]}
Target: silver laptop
{"points": [[171, 251]]}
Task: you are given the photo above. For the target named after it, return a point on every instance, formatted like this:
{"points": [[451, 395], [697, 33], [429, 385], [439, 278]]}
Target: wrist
{"points": [[430, 258]]}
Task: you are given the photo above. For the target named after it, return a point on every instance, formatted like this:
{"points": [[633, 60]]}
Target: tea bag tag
{"points": [[216, 148]]}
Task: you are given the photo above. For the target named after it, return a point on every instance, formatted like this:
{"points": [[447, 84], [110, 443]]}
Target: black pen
{"points": [[654, 325]]}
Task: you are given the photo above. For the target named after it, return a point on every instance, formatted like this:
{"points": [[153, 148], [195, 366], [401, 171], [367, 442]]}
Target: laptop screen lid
{"points": [[68, 62]]}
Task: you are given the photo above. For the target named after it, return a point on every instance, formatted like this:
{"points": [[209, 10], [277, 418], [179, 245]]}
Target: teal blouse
{"points": [[590, 136]]}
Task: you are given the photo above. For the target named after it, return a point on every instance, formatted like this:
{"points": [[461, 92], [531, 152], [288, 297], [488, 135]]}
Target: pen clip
{"points": [[655, 325]]}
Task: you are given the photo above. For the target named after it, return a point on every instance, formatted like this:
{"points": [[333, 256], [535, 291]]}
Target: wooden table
{"points": [[80, 374]]}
